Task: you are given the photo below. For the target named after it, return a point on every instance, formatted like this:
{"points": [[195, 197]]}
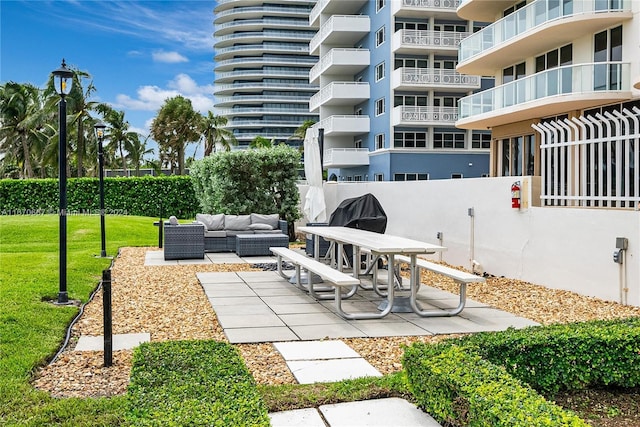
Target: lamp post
{"points": [[99, 128], [62, 81]]}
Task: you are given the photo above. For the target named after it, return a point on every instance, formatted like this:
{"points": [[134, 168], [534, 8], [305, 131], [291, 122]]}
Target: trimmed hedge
{"points": [[566, 356], [479, 379], [460, 388], [139, 196], [192, 383]]}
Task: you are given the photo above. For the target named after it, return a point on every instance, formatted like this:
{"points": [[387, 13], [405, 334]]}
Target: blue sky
{"points": [[138, 52]]}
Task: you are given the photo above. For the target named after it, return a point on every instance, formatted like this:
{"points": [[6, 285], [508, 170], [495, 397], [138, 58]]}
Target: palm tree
{"points": [[176, 125], [137, 151], [80, 108], [301, 132], [118, 133], [214, 133], [260, 142], [24, 132]]}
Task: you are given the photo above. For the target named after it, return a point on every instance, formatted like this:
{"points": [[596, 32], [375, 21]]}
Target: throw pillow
{"points": [[237, 222], [173, 220], [259, 226], [211, 222], [270, 219]]}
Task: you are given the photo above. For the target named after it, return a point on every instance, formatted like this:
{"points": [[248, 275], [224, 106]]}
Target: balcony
{"points": [[537, 27], [340, 93], [481, 10], [410, 115], [433, 78], [345, 157], [341, 30], [545, 94], [340, 61], [412, 42], [233, 88], [439, 9], [334, 7], [344, 125]]}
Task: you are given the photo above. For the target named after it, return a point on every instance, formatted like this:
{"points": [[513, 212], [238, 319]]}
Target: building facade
{"points": [[566, 102], [262, 65], [389, 89]]}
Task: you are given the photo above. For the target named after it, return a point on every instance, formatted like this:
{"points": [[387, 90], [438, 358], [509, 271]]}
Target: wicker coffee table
{"points": [[259, 244]]}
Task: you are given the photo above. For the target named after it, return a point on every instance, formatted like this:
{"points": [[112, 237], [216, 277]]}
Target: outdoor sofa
{"points": [[247, 235]]}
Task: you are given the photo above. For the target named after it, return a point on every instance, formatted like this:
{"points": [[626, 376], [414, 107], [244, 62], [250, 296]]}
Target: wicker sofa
{"points": [[219, 233]]}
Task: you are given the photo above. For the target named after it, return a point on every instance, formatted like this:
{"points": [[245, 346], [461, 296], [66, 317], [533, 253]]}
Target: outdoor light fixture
{"points": [[62, 81], [99, 128]]}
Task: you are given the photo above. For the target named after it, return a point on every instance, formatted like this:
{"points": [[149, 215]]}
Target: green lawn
{"points": [[32, 329]]}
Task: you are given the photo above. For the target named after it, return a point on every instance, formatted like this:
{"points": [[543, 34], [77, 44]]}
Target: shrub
{"points": [[242, 182], [191, 383], [460, 388], [566, 356], [141, 196]]}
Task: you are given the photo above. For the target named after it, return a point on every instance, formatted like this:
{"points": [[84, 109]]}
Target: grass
{"points": [[32, 329]]}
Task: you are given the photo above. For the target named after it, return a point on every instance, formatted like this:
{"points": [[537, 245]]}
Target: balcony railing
{"points": [[434, 77], [428, 116], [427, 5], [343, 24], [344, 125], [570, 79], [345, 157], [357, 59], [527, 18], [427, 39], [343, 93]]}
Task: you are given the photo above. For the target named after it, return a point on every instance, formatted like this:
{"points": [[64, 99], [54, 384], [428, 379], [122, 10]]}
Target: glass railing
{"points": [[570, 79], [286, 47], [310, 61], [273, 9], [533, 15], [284, 22], [268, 34]]}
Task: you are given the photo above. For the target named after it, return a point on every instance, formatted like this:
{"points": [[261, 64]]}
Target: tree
{"points": [[117, 132], [176, 125], [80, 108], [214, 133], [25, 132], [137, 151], [301, 132], [260, 142]]}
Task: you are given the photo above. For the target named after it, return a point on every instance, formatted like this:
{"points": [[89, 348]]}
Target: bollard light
{"points": [[62, 80]]}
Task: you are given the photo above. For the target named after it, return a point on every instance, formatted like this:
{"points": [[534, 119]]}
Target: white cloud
{"points": [[169, 57], [151, 97]]}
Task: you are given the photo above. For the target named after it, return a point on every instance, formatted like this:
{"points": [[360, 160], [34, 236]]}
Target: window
{"points": [[517, 155], [413, 26], [480, 140], [607, 47], [378, 177], [357, 143], [379, 107], [411, 176], [551, 83], [380, 141], [380, 5], [410, 63], [358, 111], [380, 37], [410, 139], [448, 140], [456, 175], [420, 101], [379, 71], [357, 177]]}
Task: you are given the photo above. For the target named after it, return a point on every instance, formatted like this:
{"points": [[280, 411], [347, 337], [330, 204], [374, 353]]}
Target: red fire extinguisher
{"points": [[515, 195]]}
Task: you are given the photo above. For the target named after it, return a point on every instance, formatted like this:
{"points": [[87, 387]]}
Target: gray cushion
{"points": [[237, 222], [270, 219], [211, 222], [215, 233], [278, 231], [173, 220], [233, 233], [259, 226]]}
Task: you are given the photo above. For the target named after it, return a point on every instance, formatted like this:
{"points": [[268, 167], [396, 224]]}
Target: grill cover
{"points": [[363, 212]]}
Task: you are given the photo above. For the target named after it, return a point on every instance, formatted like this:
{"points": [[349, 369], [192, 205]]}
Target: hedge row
{"points": [[192, 383], [493, 379], [458, 387], [567, 356], [141, 196]]}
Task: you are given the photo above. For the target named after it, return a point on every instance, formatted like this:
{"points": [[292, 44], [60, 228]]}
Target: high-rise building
{"points": [[262, 65], [564, 102], [389, 89]]}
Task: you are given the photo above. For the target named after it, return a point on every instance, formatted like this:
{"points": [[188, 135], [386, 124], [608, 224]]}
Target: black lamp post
{"points": [[99, 128], [62, 81]]}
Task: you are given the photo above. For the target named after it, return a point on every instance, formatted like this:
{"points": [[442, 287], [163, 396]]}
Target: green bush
{"points": [[458, 387], [242, 182], [566, 356], [192, 383], [123, 196]]}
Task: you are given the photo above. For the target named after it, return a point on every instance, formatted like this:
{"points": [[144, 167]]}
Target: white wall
{"points": [[557, 247]]}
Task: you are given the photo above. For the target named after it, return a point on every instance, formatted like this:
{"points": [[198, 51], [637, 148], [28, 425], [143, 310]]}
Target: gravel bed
{"points": [[169, 303]]}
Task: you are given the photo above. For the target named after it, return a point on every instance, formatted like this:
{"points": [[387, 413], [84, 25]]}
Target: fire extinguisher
{"points": [[515, 195]]}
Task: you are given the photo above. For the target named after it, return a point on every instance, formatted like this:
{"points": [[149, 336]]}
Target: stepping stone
{"points": [[297, 417], [377, 412]]}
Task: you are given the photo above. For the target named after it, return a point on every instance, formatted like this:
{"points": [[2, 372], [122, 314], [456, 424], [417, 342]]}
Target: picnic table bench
{"points": [[336, 278]]}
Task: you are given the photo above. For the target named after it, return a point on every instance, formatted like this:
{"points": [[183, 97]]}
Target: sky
{"points": [[138, 53]]}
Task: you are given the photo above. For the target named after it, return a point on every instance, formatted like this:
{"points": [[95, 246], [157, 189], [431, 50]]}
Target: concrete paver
{"points": [[376, 412]]}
